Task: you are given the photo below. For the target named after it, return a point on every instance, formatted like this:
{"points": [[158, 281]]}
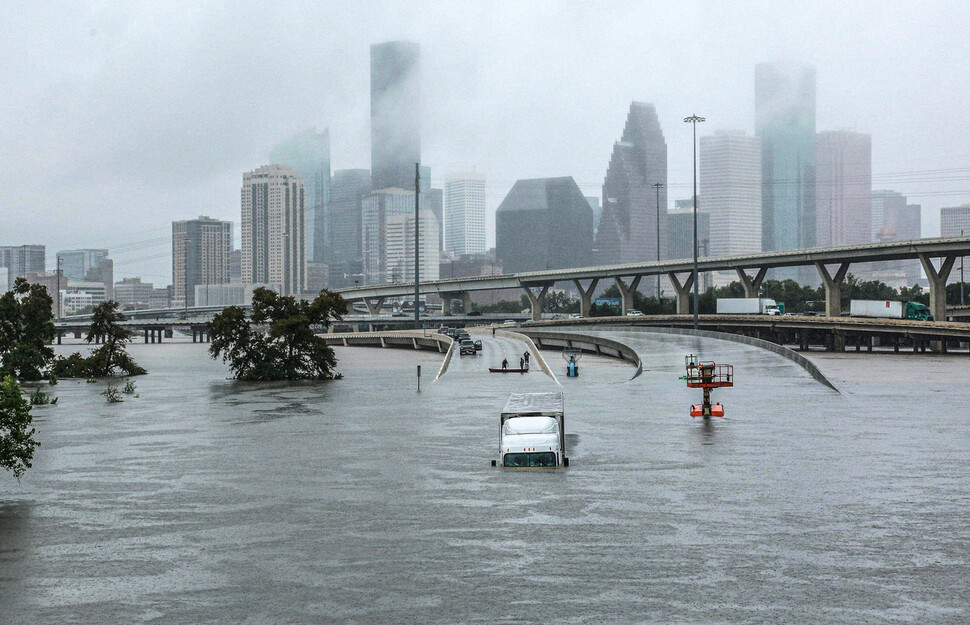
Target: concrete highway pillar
{"points": [[937, 278], [586, 296], [683, 292], [375, 306], [833, 291], [751, 285], [146, 335], [59, 335], [466, 302], [626, 292], [446, 299], [536, 300]]}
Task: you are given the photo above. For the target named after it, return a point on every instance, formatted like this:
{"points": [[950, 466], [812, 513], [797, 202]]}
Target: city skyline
{"points": [[476, 102]]}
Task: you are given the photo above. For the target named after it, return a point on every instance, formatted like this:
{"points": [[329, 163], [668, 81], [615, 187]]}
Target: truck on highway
{"points": [[749, 306], [533, 432], [889, 309]]}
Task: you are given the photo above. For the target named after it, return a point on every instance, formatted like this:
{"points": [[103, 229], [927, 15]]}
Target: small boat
{"points": [[500, 370]]}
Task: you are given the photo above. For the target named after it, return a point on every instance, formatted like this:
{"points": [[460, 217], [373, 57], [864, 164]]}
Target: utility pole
{"points": [[658, 186], [693, 119], [417, 244]]}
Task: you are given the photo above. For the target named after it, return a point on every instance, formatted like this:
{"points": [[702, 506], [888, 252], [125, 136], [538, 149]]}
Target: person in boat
{"points": [[522, 363], [505, 363], [526, 356]]}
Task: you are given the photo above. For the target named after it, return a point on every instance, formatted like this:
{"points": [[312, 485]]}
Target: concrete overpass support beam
{"points": [[466, 302], [752, 285], [937, 278], [536, 300], [683, 292], [446, 299], [833, 291], [374, 307], [626, 293], [586, 295]]}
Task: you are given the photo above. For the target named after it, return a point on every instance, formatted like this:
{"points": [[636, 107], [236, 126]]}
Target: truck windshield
{"points": [[538, 459]]}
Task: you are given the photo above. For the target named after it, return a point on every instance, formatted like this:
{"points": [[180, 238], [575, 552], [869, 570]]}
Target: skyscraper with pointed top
{"points": [[630, 220]]}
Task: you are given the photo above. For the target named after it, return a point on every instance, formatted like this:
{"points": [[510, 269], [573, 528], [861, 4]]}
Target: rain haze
{"points": [[118, 118]]}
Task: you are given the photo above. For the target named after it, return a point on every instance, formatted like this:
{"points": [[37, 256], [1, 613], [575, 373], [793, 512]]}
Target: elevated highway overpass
{"points": [[832, 263]]}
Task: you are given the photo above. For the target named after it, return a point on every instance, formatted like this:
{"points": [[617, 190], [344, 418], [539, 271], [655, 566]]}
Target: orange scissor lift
{"points": [[707, 375]]}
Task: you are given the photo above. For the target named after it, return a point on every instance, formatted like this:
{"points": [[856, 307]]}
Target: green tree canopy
{"points": [[111, 358], [289, 349], [16, 435], [26, 331]]}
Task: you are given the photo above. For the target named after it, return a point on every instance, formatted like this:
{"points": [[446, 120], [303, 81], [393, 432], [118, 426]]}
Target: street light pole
{"points": [[962, 259], [658, 186], [417, 243], [694, 119]]}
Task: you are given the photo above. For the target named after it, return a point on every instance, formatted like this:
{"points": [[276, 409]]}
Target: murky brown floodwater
{"points": [[361, 501]]}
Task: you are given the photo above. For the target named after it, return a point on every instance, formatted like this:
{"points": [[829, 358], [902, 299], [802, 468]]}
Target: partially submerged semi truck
{"points": [[533, 432]]}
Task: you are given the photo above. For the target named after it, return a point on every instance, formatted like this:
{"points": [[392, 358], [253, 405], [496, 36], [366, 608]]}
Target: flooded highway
{"points": [[205, 500]]}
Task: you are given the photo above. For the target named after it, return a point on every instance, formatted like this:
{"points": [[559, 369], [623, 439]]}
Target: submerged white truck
{"points": [[533, 432]]}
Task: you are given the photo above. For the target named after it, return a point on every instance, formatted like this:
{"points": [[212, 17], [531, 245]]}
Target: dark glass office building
{"points": [[346, 190], [544, 223]]}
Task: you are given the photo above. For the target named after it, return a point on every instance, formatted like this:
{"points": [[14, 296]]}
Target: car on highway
{"points": [[634, 313], [466, 347], [512, 321]]}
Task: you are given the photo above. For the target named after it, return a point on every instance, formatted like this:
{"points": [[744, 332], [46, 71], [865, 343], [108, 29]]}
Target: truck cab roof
{"points": [[530, 425]]}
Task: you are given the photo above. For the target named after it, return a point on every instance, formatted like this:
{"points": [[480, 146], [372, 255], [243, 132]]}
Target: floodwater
{"points": [[205, 500]]}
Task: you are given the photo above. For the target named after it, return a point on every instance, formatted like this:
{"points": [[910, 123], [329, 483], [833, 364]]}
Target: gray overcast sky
{"points": [[118, 117]]}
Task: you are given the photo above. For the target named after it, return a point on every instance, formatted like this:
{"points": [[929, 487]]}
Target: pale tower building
{"points": [[273, 229], [465, 213], [843, 188], [730, 185]]}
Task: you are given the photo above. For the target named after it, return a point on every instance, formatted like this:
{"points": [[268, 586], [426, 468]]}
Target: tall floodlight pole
{"points": [[962, 259], [694, 119], [417, 243], [658, 186], [60, 265]]}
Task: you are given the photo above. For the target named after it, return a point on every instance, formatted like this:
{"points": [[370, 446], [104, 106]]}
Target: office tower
{"points": [[132, 293], [434, 201], [394, 114], [465, 213], [235, 266], [308, 154], [21, 260], [785, 123], [730, 183], [893, 219], [594, 203], [273, 243], [347, 190], [400, 247], [376, 208], [544, 223], [628, 227], [76, 263], [955, 222], [843, 188], [200, 255]]}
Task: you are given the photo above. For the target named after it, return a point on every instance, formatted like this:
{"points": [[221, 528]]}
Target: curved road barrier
{"points": [[547, 339], [781, 350], [518, 336]]}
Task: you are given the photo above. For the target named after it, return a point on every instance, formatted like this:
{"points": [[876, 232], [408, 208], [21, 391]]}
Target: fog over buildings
{"points": [[120, 118]]}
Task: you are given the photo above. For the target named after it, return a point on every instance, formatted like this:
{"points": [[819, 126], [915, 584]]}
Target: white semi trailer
{"points": [[533, 432], [748, 306]]}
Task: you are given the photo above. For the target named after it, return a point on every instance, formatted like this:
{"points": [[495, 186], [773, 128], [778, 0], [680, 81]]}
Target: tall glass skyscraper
{"points": [[628, 226], [395, 134], [308, 154], [785, 122]]}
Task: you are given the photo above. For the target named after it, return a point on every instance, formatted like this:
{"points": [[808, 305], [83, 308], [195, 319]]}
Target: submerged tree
{"points": [[26, 331], [16, 436], [289, 349], [111, 356]]}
